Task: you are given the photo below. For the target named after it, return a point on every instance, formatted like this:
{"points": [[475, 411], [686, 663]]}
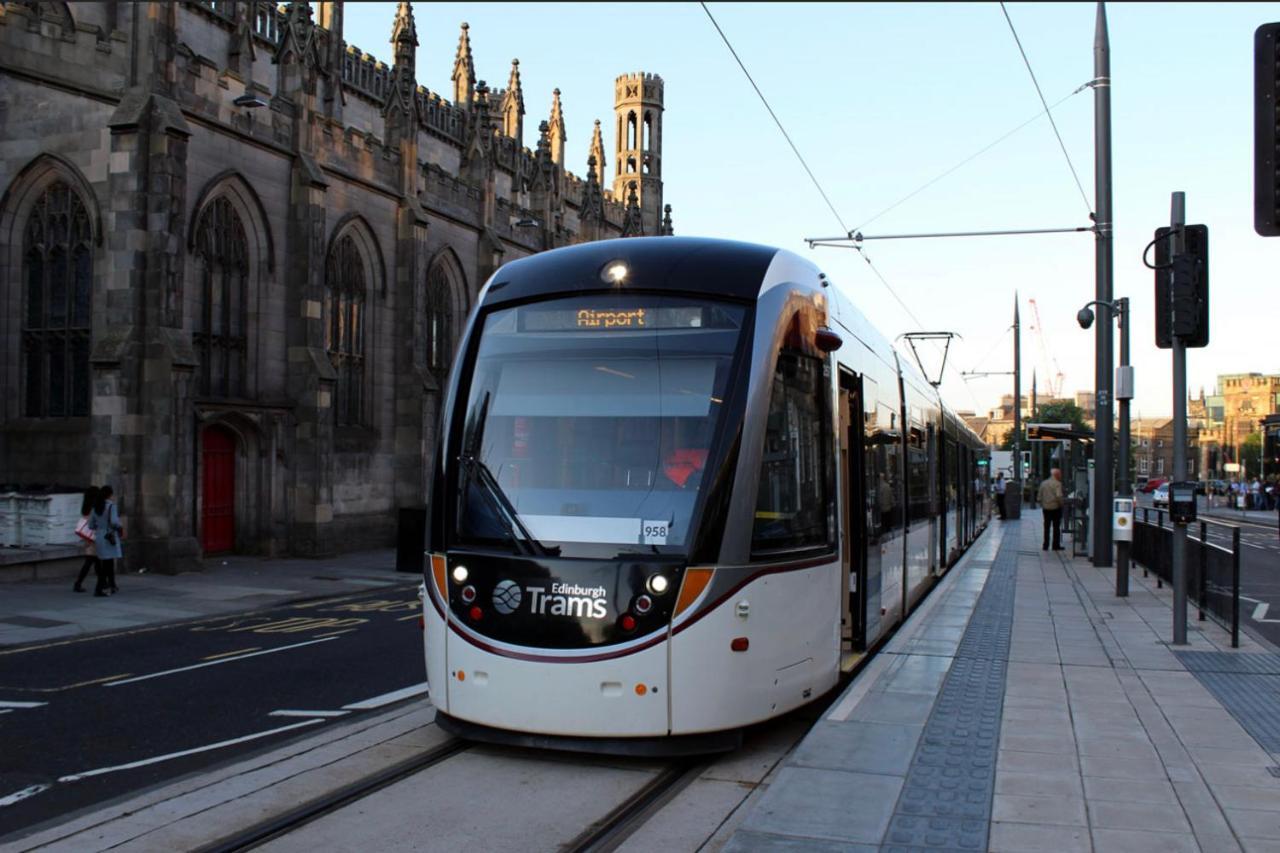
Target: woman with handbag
{"points": [[85, 535], [104, 521]]}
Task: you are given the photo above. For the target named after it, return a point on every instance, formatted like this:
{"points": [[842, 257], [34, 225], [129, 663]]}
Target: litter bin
{"points": [[411, 539], [1013, 499]]}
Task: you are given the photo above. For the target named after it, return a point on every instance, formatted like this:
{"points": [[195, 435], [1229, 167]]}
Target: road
{"points": [[89, 720], [1259, 569]]}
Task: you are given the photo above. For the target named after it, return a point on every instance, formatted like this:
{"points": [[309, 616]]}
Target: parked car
{"points": [[1160, 497], [1153, 484]]}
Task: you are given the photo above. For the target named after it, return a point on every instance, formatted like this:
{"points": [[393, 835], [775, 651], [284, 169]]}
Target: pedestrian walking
{"points": [[104, 521], [1255, 494], [85, 535], [1051, 501], [999, 490]]}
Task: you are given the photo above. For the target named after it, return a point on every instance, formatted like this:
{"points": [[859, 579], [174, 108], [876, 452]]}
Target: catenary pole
{"points": [[1178, 245], [1103, 474], [1017, 398]]}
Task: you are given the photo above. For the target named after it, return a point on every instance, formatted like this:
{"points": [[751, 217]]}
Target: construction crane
{"points": [[1055, 386]]}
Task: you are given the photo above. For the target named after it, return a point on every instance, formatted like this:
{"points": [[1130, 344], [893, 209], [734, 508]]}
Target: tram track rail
{"points": [[610, 831], [259, 833]]}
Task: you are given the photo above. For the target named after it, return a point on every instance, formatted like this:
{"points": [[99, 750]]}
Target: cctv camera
{"points": [[1085, 317]]}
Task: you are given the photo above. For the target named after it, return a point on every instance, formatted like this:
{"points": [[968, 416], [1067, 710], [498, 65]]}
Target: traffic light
{"points": [[1266, 130], [1182, 289]]}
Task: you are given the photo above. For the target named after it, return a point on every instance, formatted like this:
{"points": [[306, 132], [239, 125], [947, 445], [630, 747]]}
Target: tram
{"points": [[681, 485]]}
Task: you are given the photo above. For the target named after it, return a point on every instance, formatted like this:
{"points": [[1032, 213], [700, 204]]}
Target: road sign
{"points": [[1036, 432]]}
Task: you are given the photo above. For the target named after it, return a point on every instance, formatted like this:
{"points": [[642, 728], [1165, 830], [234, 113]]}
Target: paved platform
{"points": [[43, 610], [1024, 708]]}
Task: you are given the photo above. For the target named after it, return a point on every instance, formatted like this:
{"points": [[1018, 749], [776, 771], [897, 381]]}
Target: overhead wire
{"points": [[775, 118], [812, 177], [1083, 195], [975, 155]]}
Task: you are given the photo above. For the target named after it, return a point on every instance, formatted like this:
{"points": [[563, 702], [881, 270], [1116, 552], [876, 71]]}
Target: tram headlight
{"points": [[658, 584], [460, 574], [643, 604], [468, 594], [614, 272]]}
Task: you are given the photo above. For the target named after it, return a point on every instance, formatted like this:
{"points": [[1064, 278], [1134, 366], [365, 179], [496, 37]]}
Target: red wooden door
{"points": [[218, 520]]}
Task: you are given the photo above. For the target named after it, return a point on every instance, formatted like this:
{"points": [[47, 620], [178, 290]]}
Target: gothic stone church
{"points": [[236, 252]]}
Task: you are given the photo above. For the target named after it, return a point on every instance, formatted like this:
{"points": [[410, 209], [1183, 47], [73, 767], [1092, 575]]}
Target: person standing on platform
{"points": [[1051, 505], [999, 490]]}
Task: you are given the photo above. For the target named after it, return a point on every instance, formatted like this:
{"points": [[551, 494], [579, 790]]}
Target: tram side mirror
{"points": [[827, 340], [1085, 317]]}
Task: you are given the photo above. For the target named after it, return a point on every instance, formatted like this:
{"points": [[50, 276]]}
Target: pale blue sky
{"points": [[880, 98]]}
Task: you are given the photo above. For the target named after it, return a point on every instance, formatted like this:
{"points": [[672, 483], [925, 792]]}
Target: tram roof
{"points": [[679, 264]]}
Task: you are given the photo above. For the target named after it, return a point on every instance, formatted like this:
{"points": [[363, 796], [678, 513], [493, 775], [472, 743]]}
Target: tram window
{"points": [[918, 483], [887, 444], [792, 509]]}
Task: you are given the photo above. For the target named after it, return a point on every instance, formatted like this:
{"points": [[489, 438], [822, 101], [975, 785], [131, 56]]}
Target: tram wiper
{"points": [[479, 473]]}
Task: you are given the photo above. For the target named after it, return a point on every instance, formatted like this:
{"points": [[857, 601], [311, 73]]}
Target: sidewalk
{"points": [[1026, 708], [37, 611]]}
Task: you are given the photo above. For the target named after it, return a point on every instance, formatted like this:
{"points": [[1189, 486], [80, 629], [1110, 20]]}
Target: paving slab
{"points": [[1099, 734]]}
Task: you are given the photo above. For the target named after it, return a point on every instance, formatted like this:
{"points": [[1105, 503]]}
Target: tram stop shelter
{"points": [[1071, 450]]}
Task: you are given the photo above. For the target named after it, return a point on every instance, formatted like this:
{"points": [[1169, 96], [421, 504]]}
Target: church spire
{"points": [[513, 106], [464, 71], [556, 127], [597, 153], [404, 33], [632, 221], [668, 229]]}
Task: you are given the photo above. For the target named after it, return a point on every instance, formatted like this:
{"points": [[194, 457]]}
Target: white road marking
{"points": [[292, 713], [388, 698], [76, 777], [1260, 612], [19, 796], [6, 711], [214, 662], [22, 704]]}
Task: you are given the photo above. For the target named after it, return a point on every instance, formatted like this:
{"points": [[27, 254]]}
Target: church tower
{"points": [[637, 155]]}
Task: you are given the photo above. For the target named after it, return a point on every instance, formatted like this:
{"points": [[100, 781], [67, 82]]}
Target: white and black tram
{"points": [[681, 483]]}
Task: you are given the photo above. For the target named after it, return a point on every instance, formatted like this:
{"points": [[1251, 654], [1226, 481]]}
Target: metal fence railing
{"points": [[1213, 570]]}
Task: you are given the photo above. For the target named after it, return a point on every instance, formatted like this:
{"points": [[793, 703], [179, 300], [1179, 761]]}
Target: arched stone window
{"points": [[57, 278], [345, 289], [648, 131], [221, 340], [631, 130], [439, 321]]}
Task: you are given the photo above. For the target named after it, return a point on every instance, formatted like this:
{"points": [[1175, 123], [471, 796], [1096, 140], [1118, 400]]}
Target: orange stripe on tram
{"points": [[695, 581]]}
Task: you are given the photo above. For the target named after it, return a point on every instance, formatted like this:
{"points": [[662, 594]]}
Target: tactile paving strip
{"points": [[1260, 664], [945, 802], [1247, 685]]}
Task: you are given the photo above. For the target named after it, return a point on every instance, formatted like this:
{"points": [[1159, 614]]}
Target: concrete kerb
{"points": [[242, 791]]}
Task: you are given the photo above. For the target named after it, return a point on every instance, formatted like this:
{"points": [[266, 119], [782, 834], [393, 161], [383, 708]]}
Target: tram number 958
{"points": [[654, 532]]}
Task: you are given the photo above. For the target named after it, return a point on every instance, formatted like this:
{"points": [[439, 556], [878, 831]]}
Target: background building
{"points": [[1153, 448], [236, 253], [1235, 411]]}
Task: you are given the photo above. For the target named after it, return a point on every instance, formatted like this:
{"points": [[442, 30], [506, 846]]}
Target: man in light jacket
{"points": [[1051, 505]]}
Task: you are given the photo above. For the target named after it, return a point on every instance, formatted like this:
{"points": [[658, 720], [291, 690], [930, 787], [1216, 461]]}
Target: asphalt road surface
{"points": [[85, 721], [1259, 569]]}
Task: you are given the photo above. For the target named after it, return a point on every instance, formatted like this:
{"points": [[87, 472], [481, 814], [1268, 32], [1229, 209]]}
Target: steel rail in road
{"points": [[295, 818], [608, 832]]}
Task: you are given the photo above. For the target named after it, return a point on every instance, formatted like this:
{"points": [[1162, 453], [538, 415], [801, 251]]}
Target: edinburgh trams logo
{"points": [[560, 599], [507, 597]]}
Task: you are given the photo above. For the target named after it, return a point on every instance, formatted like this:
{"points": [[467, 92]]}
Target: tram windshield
{"points": [[589, 422]]}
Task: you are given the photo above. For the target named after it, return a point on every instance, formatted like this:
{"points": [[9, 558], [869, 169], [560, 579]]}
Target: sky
{"points": [[881, 99]]}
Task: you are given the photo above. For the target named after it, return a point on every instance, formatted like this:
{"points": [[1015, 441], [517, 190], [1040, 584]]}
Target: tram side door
{"points": [[854, 553]]}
